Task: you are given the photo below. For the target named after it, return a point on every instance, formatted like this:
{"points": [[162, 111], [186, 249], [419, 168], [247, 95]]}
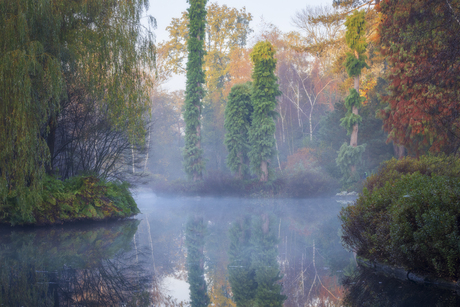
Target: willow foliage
{"points": [[46, 48]]}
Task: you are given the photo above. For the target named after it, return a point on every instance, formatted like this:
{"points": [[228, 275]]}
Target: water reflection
{"points": [[228, 252], [253, 269], [364, 288], [68, 266]]}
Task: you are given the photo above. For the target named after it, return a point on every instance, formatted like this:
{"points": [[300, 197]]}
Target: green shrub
{"points": [[78, 198], [409, 215]]}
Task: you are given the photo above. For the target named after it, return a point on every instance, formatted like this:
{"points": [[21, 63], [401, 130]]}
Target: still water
{"points": [[254, 252]]}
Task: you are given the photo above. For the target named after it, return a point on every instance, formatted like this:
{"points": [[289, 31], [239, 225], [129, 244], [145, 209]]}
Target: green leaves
{"points": [[354, 36], [264, 93], [409, 216], [194, 92], [238, 113]]}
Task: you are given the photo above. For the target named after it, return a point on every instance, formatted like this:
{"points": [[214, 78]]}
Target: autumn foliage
{"points": [[421, 43]]}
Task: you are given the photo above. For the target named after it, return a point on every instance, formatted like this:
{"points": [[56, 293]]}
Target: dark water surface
{"points": [[244, 243]]}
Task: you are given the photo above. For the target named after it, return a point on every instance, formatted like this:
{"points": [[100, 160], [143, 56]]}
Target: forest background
{"points": [[84, 92], [313, 82]]}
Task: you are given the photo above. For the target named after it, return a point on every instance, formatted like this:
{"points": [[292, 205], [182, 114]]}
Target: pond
{"points": [[284, 252]]}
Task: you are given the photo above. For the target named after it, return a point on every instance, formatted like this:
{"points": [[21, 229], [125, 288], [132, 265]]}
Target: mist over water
{"points": [[291, 246]]}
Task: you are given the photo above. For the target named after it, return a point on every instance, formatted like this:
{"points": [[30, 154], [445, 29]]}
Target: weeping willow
{"points": [[47, 49]]}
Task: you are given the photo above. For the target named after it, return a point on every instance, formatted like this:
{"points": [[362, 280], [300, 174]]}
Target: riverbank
{"points": [[282, 185], [408, 216], [408, 275], [81, 198]]}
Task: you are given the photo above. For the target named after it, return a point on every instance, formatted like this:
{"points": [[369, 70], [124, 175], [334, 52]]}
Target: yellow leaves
{"points": [[367, 85]]}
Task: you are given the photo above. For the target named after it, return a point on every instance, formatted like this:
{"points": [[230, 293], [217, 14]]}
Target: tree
{"points": [[194, 240], [50, 48], [226, 30], [237, 124], [350, 155], [264, 93], [194, 92], [421, 43]]}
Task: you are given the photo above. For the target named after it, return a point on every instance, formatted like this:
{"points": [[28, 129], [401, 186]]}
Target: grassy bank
{"points": [[298, 184], [409, 215], [81, 198]]}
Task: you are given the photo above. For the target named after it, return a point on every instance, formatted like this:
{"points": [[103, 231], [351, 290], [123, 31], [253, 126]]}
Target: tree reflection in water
{"points": [[75, 266], [254, 273]]}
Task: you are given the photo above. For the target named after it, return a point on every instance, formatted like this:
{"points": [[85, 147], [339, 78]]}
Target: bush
{"points": [[76, 199], [409, 215]]}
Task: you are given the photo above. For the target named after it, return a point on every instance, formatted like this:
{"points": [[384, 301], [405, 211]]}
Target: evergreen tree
{"points": [[350, 155], [194, 240], [241, 273], [237, 123], [264, 93], [194, 92]]}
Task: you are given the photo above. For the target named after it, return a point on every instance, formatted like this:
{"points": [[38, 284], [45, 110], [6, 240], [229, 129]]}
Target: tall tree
{"points": [[194, 91], [350, 155], [264, 93], [226, 30], [237, 124], [421, 43], [194, 240], [49, 48]]}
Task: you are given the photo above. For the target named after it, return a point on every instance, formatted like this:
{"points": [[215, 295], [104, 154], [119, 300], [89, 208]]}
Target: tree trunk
{"points": [[399, 151], [240, 167], [50, 141], [264, 171], [148, 149], [354, 133]]}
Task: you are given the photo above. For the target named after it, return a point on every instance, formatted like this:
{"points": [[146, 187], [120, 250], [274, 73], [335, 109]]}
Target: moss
{"points": [[80, 198]]}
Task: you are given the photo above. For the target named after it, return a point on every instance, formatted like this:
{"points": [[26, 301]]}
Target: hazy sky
{"points": [[278, 12]]}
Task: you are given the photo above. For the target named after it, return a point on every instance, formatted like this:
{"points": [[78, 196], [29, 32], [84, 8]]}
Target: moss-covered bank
{"points": [[81, 198], [409, 215]]}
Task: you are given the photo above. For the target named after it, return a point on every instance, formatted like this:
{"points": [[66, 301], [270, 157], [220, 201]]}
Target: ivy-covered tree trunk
{"points": [[194, 92], [237, 123], [350, 155], [354, 132], [264, 92], [194, 240]]}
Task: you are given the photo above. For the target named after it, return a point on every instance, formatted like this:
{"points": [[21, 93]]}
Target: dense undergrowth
{"points": [[409, 215], [79, 198], [299, 183]]}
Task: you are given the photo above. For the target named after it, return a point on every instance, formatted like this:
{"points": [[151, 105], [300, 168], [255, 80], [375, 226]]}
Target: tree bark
{"points": [[354, 133], [51, 141], [399, 151], [264, 170]]}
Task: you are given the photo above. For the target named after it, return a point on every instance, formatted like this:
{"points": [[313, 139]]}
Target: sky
{"points": [[278, 12]]}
